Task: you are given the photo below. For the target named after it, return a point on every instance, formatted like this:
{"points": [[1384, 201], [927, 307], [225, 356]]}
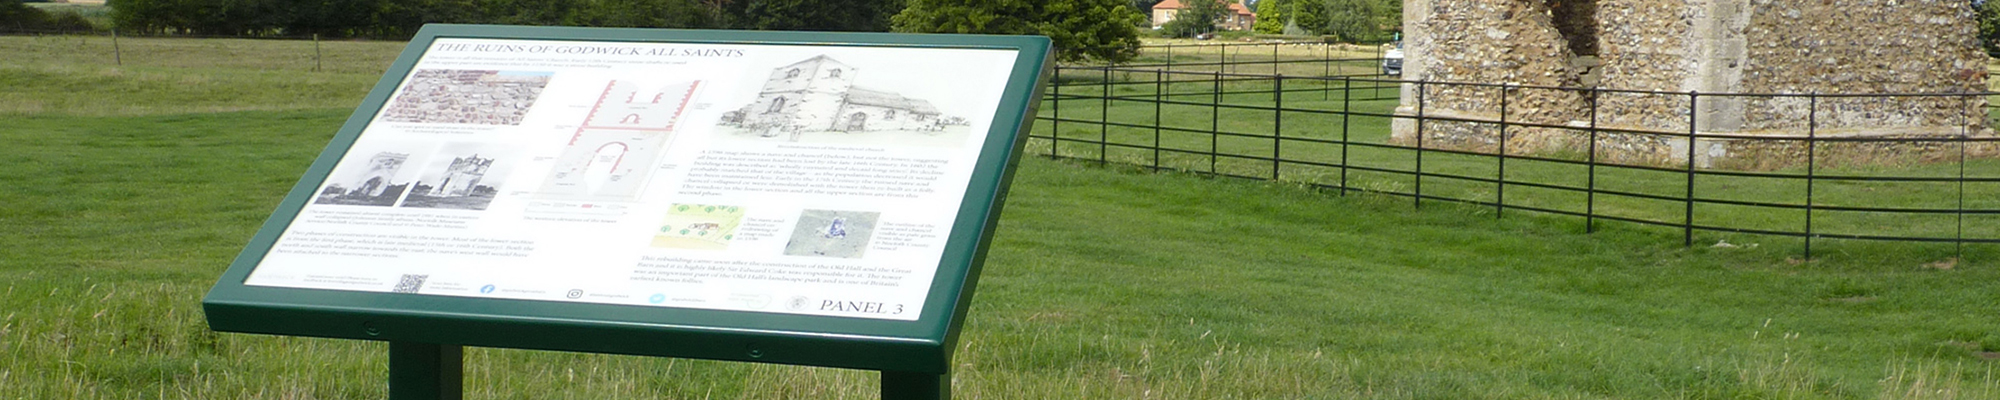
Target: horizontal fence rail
{"points": [[1334, 131]]}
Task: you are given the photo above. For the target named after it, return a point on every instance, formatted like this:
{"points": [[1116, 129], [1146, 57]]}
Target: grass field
{"points": [[1313, 130], [1103, 282]]}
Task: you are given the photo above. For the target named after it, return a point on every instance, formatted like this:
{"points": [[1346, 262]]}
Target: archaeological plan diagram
{"points": [[612, 154]]}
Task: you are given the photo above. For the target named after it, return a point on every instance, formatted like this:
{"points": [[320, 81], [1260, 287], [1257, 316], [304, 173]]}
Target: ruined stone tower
{"points": [[1793, 47]]}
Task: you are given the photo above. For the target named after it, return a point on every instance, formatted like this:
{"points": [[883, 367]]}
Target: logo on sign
{"points": [[575, 293], [799, 303], [657, 298], [486, 289]]}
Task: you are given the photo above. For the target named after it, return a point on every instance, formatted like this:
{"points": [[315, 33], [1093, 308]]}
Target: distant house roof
{"points": [[1176, 5], [861, 96]]}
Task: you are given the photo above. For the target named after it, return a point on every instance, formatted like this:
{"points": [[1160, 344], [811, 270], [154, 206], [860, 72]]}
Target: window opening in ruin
{"points": [[777, 104], [1576, 20], [833, 73], [794, 73], [857, 122]]}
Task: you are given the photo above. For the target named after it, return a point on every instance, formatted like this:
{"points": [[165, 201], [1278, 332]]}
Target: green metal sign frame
{"points": [[427, 330]]}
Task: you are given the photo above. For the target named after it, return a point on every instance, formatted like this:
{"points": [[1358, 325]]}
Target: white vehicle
{"points": [[1392, 59]]}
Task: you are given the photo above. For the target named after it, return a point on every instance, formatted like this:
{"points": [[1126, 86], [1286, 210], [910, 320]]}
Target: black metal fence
{"points": [[1817, 180]]}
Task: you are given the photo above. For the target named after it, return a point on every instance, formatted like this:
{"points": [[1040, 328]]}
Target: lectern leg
{"points": [[897, 385], [425, 371]]}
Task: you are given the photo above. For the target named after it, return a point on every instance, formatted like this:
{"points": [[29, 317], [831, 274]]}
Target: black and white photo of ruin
{"points": [[370, 176], [817, 100], [462, 176], [482, 97]]}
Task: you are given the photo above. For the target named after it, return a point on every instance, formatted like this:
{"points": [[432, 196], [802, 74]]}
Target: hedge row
{"points": [[401, 18]]}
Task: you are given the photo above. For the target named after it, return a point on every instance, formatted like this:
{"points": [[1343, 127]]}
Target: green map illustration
{"points": [[698, 226]]}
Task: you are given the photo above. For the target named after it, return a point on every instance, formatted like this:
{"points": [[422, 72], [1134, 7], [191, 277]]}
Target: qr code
{"points": [[410, 284]]}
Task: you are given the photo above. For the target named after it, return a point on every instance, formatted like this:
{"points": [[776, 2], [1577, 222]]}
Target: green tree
{"points": [[1351, 21], [1309, 15], [814, 15], [16, 15], [1196, 17], [1273, 15], [1096, 30], [1388, 18], [1989, 26]]}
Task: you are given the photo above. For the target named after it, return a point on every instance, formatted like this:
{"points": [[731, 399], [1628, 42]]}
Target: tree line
{"points": [[402, 18], [1096, 30], [18, 16], [1082, 30], [1352, 21]]}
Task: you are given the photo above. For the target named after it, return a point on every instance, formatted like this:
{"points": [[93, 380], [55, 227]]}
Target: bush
{"points": [[402, 18], [1199, 17], [18, 16], [1100, 30], [1989, 27]]}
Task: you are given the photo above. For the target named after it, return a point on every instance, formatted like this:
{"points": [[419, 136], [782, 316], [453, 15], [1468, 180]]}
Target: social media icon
{"points": [[486, 289], [657, 298]]}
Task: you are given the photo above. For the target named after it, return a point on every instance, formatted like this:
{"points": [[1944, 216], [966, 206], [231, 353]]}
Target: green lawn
{"points": [[1312, 129], [1104, 282]]}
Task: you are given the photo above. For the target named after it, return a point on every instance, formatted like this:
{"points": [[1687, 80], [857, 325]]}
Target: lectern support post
{"points": [[897, 385], [426, 371]]}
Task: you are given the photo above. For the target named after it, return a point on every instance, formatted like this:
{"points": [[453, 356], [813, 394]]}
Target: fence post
{"points": [[1214, 128], [1274, 57], [1590, 164], [1963, 136], [1055, 111], [1325, 69], [1159, 91], [1104, 118], [1417, 197], [1227, 63], [117, 54], [1812, 163], [316, 53], [1687, 219], [1500, 184], [1277, 122], [1346, 113], [1222, 59], [1170, 56]]}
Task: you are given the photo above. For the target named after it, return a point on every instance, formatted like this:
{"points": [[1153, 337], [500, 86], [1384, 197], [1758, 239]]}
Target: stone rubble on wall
{"points": [[1651, 54]]}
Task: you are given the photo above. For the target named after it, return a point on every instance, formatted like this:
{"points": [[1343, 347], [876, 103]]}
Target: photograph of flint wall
{"points": [[453, 96], [827, 233]]}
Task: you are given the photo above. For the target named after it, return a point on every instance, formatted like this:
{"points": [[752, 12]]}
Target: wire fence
{"points": [[1835, 174]]}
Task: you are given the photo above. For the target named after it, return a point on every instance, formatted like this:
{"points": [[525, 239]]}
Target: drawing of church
{"points": [[818, 94], [611, 157]]}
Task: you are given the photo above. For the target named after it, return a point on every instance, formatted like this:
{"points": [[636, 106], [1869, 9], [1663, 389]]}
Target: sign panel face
{"points": [[752, 177]]}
